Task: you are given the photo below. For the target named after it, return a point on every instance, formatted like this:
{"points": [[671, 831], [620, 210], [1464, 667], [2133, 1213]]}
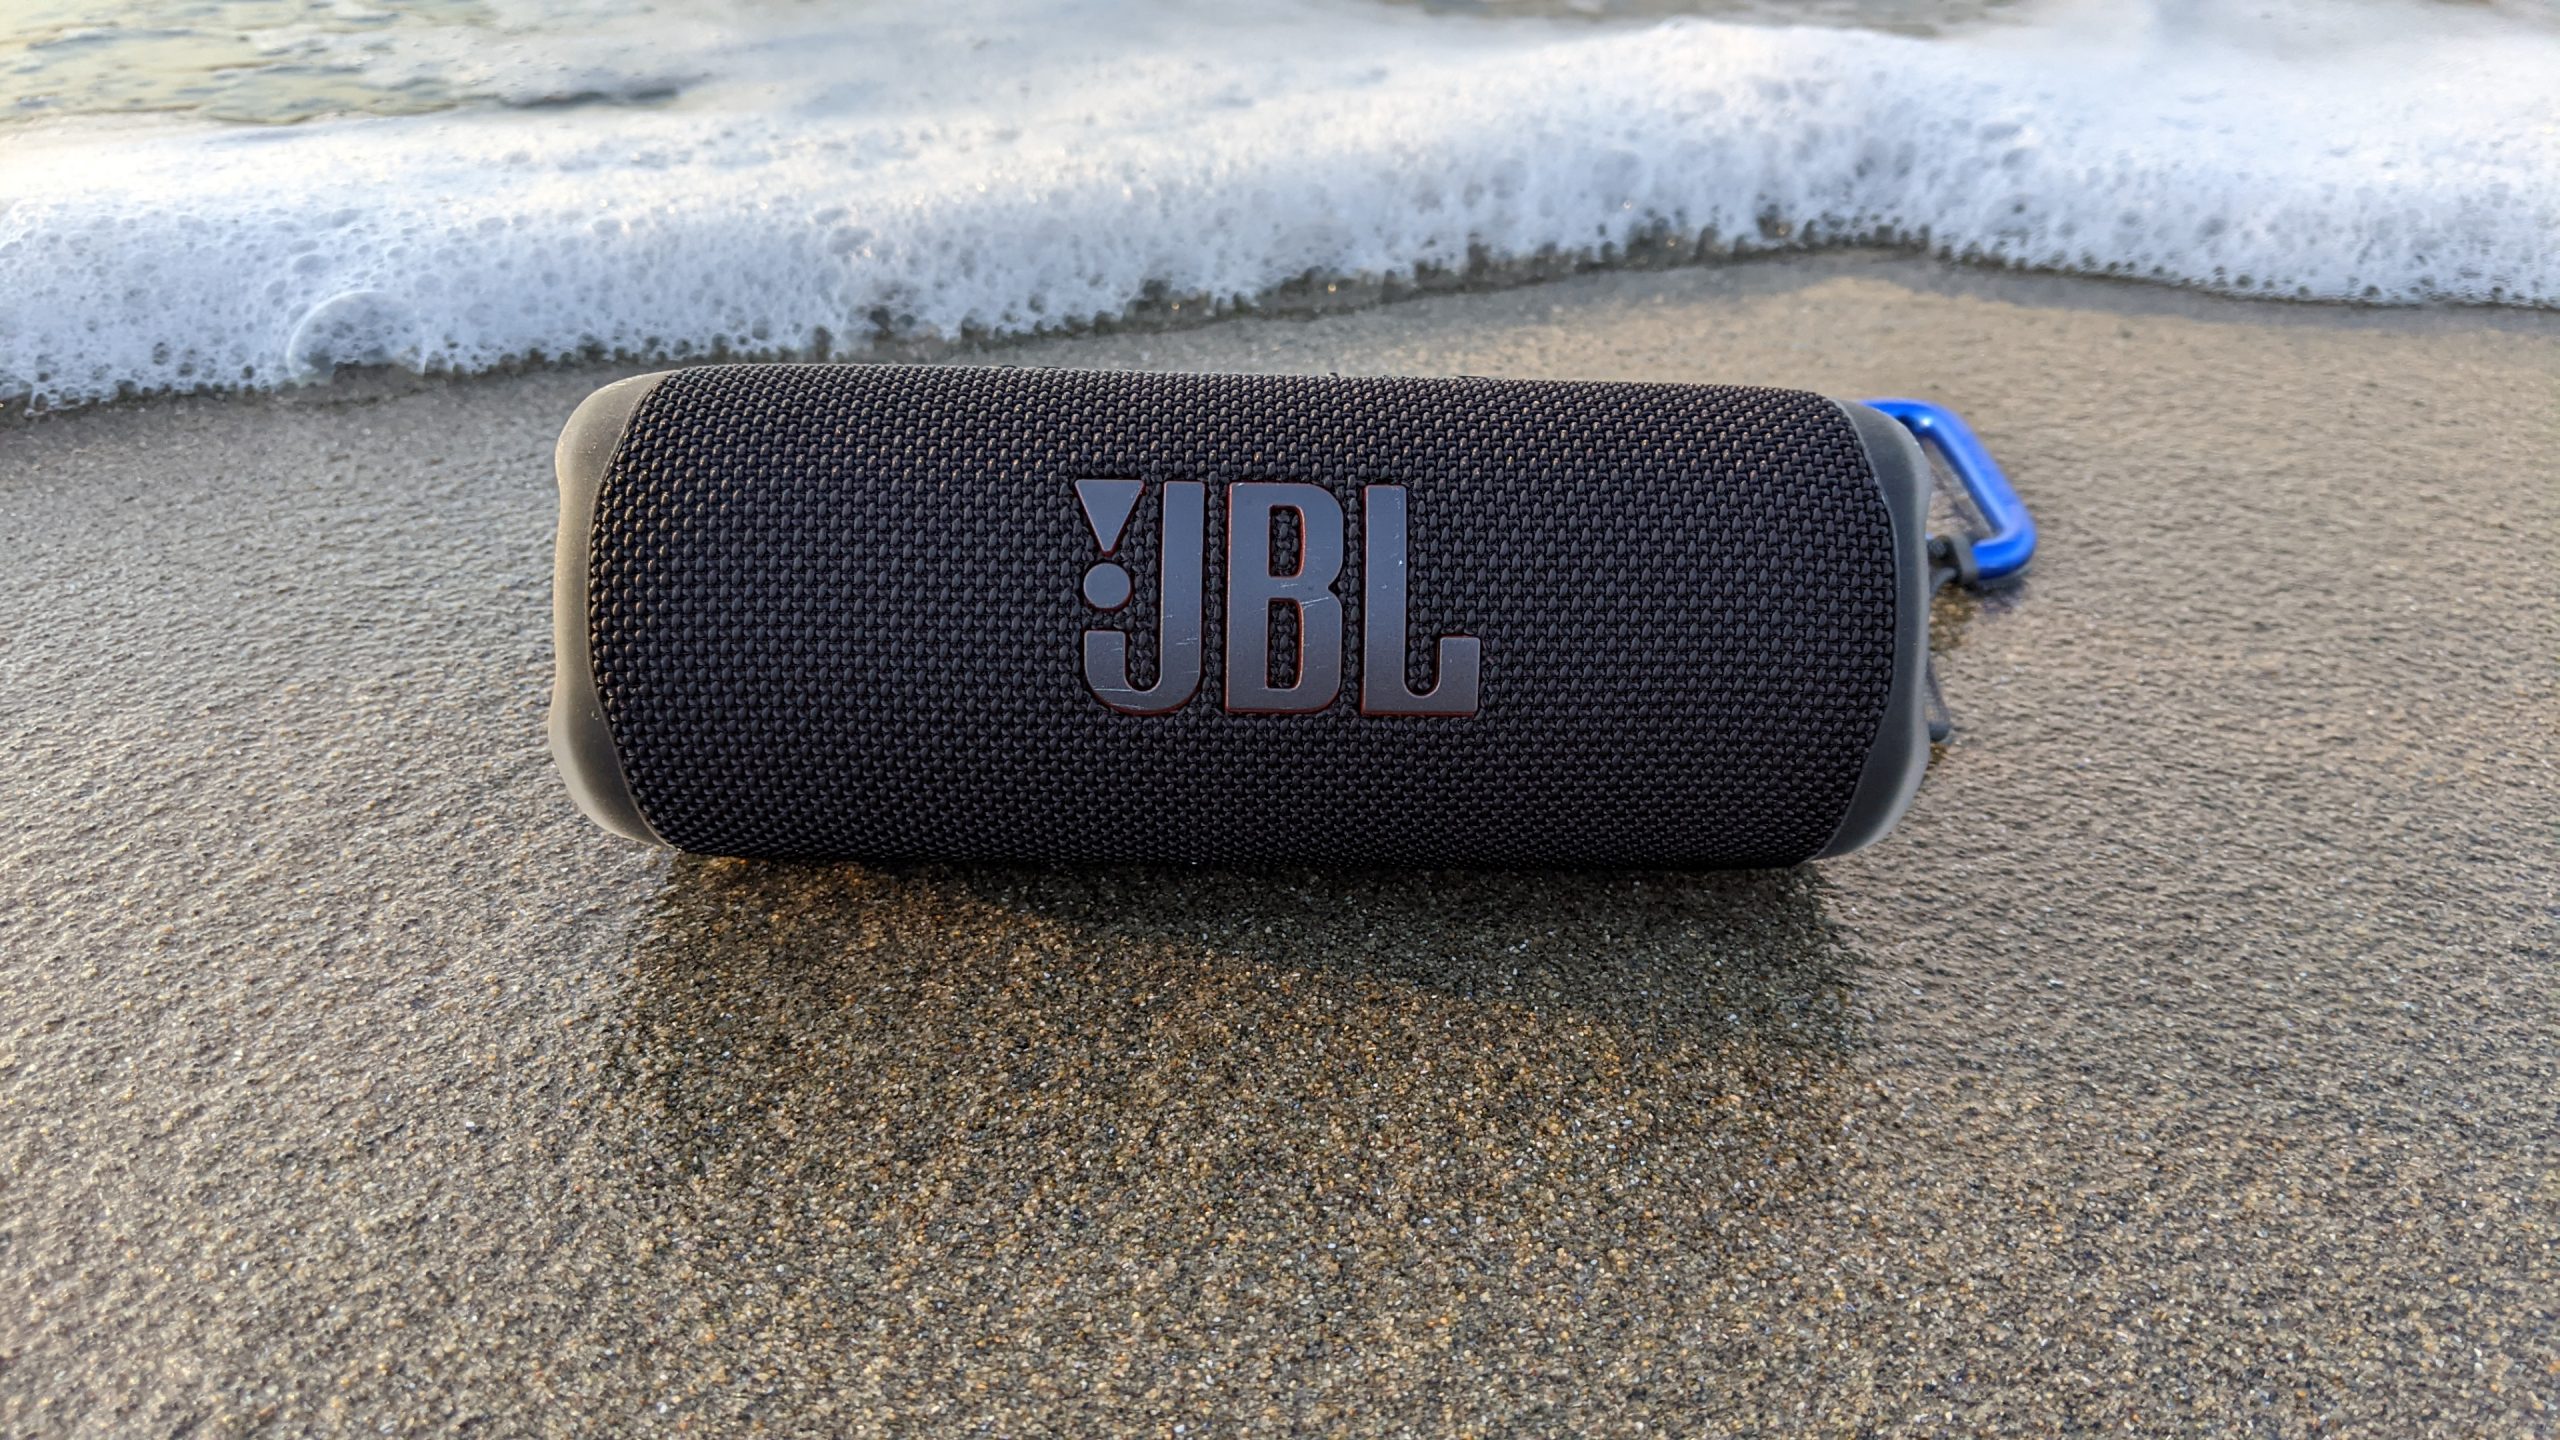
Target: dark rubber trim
{"points": [[1900, 755], [581, 742]]}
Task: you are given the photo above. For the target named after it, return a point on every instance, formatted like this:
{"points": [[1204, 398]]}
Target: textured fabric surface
{"points": [[835, 613]]}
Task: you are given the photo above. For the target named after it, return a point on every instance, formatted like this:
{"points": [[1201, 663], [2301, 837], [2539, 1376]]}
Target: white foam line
{"points": [[149, 258]]}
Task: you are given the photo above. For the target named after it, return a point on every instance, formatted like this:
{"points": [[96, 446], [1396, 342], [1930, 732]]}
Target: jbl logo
{"points": [[1254, 586]]}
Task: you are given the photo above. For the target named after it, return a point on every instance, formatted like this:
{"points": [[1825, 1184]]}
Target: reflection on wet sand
{"points": [[1099, 1136]]}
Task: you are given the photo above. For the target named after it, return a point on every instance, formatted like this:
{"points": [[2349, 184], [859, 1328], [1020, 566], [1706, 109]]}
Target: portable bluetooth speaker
{"points": [[909, 612]]}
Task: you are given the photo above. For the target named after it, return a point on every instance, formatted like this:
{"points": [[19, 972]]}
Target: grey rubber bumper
{"points": [[581, 743], [1900, 755]]}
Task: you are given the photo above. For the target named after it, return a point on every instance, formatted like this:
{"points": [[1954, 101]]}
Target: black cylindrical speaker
{"points": [[936, 613]]}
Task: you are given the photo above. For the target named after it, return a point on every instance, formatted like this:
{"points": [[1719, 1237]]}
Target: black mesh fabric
{"points": [[835, 613]]}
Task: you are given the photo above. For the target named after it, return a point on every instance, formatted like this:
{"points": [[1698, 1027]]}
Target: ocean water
{"points": [[252, 193]]}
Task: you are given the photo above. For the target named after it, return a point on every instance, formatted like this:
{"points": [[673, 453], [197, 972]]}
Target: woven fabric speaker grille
{"points": [[834, 612]]}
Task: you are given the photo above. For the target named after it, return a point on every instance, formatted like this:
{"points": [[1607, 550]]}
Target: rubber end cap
{"points": [[1900, 755], [581, 741]]}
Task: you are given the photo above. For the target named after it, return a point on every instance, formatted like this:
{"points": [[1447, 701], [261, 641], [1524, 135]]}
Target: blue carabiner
{"points": [[2002, 555]]}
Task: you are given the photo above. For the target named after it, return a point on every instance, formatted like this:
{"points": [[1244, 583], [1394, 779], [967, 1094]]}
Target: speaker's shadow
{"points": [[1211, 1107]]}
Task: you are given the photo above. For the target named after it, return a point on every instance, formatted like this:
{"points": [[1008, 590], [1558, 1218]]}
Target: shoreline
{"points": [[1299, 301], [855, 177]]}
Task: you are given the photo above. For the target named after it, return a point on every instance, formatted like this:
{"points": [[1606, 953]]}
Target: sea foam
{"points": [[999, 170]]}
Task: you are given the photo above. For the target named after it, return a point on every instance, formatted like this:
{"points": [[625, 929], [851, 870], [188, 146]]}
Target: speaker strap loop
{"points": [[1987, 562], [2000, 557]]}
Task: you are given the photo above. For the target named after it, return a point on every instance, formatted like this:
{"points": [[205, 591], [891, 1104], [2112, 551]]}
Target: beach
{"points": [[2185, 1063]]}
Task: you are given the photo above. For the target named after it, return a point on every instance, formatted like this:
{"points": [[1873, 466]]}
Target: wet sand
{"points": [[2188, 1062]]}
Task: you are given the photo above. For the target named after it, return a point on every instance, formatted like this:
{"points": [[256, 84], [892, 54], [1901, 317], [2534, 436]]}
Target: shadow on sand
{"points": [[1058, 1138], [905, 1048]]}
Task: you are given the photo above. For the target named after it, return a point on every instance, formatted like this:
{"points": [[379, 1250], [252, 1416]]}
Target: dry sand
{"points": [[2189, 1061]]}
